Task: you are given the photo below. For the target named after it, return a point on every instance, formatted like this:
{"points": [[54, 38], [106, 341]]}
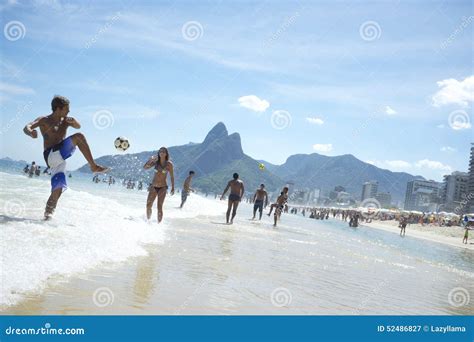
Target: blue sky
{"points": [[389, 82]]}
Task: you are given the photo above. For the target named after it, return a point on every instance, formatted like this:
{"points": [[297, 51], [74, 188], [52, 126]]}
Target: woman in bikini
{"points": [[162, 166]]}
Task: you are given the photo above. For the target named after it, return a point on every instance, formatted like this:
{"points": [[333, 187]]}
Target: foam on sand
{"points": [[88, 230]]}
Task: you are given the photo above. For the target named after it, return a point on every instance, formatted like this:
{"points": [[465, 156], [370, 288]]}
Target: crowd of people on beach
{"points": [[356, 216], [58, 148], [33, 170]]}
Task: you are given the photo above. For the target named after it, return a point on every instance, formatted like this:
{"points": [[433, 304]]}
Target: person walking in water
{"points": [[258, 199], [186, 188], [236, 193], [57, 148], [403, 226], [280, 205], [32, 170], [466, 235], [162, 165]]}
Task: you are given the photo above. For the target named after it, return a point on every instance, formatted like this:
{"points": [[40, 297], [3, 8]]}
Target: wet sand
{"points": [[451, 236], [303, 267]]}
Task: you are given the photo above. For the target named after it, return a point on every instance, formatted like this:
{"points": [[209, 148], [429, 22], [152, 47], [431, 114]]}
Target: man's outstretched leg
{"points": [[80, 141]]}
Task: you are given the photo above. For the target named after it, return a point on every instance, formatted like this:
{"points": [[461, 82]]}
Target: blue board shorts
{"points": [[55, 158]]}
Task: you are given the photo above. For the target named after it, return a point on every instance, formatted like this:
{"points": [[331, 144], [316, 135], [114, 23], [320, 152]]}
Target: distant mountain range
{"points": [[220, 155], [10, 164]]}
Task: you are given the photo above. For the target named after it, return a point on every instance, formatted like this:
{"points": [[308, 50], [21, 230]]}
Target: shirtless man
{"points": [[186, 188], [57, 148], [258, 198], [280, 204], [162, 165], [236, 193], [32, 170]]}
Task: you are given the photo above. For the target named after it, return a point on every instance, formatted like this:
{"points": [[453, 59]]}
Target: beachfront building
{"points": [[344, 198], [340, 196], [369, 190], [454, 191], [422, 195], [385, 199], [470, 184]]}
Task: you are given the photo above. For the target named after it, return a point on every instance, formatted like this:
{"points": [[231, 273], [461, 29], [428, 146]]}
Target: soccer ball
{"points": [[121, 144], [261, 166]]}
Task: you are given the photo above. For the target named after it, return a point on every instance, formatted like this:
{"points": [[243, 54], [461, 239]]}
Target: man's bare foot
{"points": [[99, 169], [48, 216]]}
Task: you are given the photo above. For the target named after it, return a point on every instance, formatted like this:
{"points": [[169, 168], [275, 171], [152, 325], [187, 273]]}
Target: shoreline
{"points": [[415, 230], [141, 284]]}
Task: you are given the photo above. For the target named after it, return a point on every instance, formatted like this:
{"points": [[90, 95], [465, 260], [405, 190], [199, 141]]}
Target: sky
{"points": [[390, 82]]}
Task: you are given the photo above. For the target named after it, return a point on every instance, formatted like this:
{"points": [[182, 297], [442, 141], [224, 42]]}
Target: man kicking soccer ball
{"points": [[57, 149]]}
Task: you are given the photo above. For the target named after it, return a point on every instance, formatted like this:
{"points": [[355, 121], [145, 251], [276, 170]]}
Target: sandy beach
{"points": [[108, 260], [451, 236]]}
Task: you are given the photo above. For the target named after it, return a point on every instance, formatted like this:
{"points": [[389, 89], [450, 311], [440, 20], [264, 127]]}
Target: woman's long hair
{"points": [[167, 154]]}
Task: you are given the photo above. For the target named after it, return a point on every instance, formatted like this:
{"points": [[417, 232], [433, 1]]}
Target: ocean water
{"points": [[194, 264], [94, 224]]}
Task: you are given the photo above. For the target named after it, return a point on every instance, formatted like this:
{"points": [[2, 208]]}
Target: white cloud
{"points": [[322, 147], [433, 165], [454, 92], [458, 125], [398, 164], [14, 89], [125, 112], [100, 87], [254, 103], [390, 111], [447, 149], [371, 162], [315, 121], [422, 165], [7, 4]]}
